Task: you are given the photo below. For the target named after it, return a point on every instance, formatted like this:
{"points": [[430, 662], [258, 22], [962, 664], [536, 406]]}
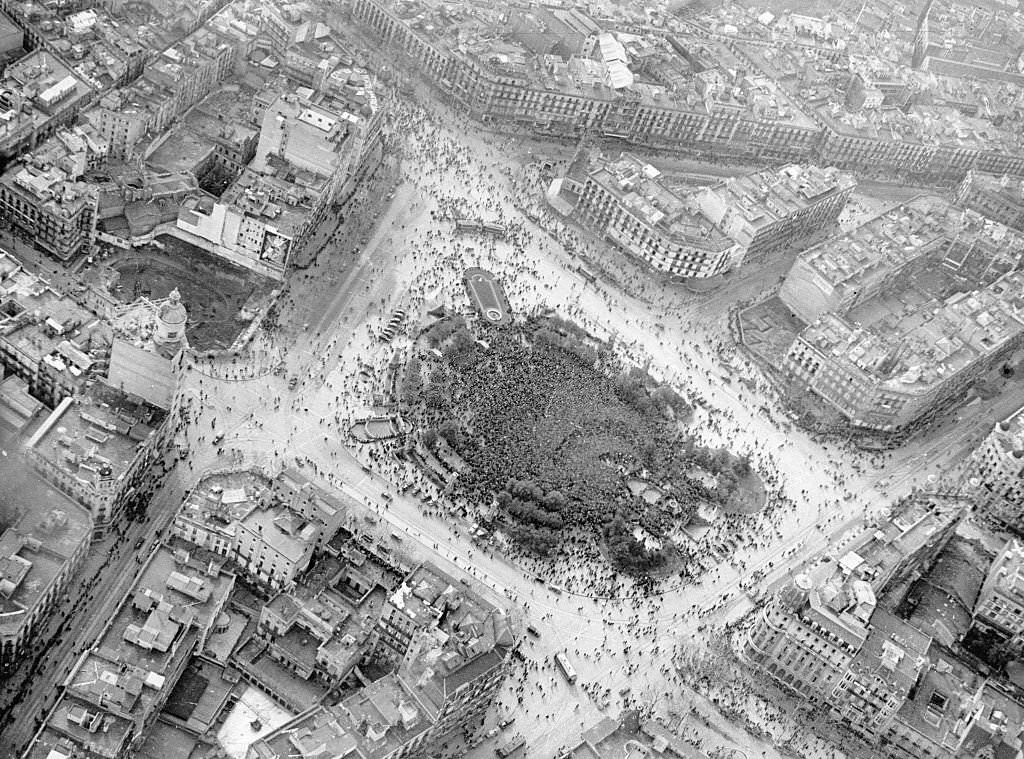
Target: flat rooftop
{"points": [[637, 187], [97, 435], [47, 83], [885, 243], [374, 722], [766, 196], [34, 552], [165, 613], [931, 342], [222, 499]]}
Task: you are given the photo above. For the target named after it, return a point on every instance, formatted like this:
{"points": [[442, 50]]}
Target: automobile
{"points": [[533, 631], [217, 438], [506, 722], [292, 383], [139, 543], [492, 732]]}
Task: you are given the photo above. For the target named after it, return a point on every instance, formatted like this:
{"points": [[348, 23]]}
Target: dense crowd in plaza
{"points": [[813, 487]]}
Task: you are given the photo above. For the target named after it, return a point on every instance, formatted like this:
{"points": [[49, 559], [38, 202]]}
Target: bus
{"points": [[467, 225], [512, 746], [566, 667]]}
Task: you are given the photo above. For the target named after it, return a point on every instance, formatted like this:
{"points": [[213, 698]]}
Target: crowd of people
{"points": [[626, 631]]}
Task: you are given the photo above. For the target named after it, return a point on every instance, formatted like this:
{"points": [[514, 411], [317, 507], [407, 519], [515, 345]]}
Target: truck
{"points": [[567, 669]]}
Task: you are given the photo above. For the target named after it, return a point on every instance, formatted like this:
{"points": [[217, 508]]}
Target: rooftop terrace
{"points": [[97, 435], [636, 185]]}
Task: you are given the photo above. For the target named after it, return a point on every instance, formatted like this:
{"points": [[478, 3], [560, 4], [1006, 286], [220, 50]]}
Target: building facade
{"points": [[1000, 604], [98, 449], [780, 209], [493, 90], [624, 202], [997, 197], [996, 473], [39, 556]]}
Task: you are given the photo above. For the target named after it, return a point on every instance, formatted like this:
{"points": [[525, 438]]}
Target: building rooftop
{"points": [[168, 612], [940, 602], [1009, 434], [459, 634], [34, 552], [946, 698], [636, 185], [930, 343], [893, 652], [222, 118], [95, 436], [221, 500], [1008, 188], [841, 596], [42, 82], [371, 723], [40, 323], [998, 727], [884, 244], [304, 134], [551, 50], [1008, 571], [282, 529], [767, 196]]}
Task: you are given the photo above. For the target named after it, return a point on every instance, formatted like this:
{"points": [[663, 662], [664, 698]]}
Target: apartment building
{"points": [[826, 638], [39, 555], [47, 339], [996, 473], [892, 374], [98, 448], [320, 630], [685, 98], [583, 94], [624, 202], [779, 209], [843, 271], [938, 716], [449, 663], [1000, 604], [122, 681], [270, 531], [311, 154], [41, 194], [174, 81], [996, 197], [40, 95]]}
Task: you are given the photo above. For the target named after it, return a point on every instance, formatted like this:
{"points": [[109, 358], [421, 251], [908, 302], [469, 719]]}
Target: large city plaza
{"points": [[620, 635]]}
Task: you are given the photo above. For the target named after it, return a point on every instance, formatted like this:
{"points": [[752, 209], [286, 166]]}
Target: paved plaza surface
{"points": [[413, 261]]}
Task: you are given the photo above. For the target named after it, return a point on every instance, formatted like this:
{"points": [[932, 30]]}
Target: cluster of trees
{"points": [[586, 354], [630, 555], [412, 382], [638, 389], [537, 516], [437, 333], [550, 433]]}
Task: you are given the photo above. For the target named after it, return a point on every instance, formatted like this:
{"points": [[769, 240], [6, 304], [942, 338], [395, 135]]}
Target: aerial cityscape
{"points": [[426, 379]]}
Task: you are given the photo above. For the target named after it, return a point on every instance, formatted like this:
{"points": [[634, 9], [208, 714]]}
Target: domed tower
{"points": [[170, 322]]}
